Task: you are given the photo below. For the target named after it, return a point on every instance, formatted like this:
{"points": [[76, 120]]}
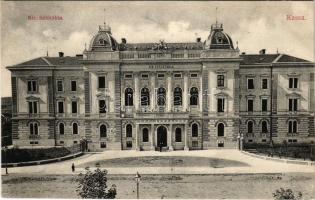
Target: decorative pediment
{"points": [[222, 94], [250, 96], [32, 98]]}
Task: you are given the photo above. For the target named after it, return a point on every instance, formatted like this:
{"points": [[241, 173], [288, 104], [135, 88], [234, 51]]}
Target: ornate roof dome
{"points": [[103, 40], [218, 39]]}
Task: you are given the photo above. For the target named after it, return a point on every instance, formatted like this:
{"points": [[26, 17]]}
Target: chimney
{"points": [[198, 39], [123, 41], [60, 54], [262, 52], [79, 56], [243, 53]]}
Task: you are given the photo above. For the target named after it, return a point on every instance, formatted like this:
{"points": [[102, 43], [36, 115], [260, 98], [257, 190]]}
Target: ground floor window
{"points": [[264, 140], [194, 143], [178, 135], [33, 142], [221, 144], [103, 145], [220, 130], [129, 144], [145, 135]]}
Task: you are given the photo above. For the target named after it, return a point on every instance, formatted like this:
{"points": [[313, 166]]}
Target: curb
{"points": [[39, 162], [299, 162]]}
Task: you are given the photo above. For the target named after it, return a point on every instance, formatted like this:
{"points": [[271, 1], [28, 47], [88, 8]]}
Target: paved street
{"points": [[254, 165]]}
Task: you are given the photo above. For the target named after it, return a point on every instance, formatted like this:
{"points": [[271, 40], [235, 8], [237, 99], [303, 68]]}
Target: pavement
{"points": [[254, 165]]}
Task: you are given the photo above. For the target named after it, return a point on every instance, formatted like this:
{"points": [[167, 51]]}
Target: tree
{"points": [[93, 185], [282, 194]]}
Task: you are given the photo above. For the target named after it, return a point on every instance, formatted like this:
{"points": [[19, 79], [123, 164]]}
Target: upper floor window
{"points": [[193, 75], [60, 107], [177, 75], [220, 130], [128, 76], [145, 135], [74, 106], [160, 75], [293, 104], [250, 83], [250, 125], [101, 82], [292, 126], [32, 86], [264, 83], [194, 96], [264, 103], [220, 80], [145, 97], [161, 96], [293, 83], [194, 130], [178, 96], [73, 86], [32, 107], [103, 131], [264, 127], [102, 106], [178, 135], [33, 128], [220, 105], [75, 129], [128, 130], [250, 105], [145, 76], [61, 128], [59, 85], [128, 97]]}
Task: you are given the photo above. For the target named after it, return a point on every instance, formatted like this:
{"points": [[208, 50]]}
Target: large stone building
{"points": [[196, 95]]}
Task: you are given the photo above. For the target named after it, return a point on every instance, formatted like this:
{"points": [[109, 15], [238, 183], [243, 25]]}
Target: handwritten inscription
{"points": [[45, 17], [295, 17]]}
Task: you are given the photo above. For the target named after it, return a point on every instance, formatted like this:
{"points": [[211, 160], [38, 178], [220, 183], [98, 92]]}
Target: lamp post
{"points": [[5, 159], [137, 178]]}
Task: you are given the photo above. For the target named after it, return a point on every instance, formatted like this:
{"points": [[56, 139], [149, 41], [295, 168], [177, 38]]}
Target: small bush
{"points": [[282, 194]]}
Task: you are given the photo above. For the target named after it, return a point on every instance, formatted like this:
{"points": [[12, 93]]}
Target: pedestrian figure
{"points": [[73, 167]]}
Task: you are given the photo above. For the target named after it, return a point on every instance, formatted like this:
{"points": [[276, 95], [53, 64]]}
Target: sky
{"points": [[253, 25]]}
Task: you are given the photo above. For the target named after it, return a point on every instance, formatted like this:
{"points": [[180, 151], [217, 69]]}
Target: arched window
{"points": [[264, 127], [292, 126], [61, 128], [194, 130], [194, 96], [128, 97], [178, 135], [145, 97], [161, 96], [128, 130], [103, 131], [220, 130], [75, 128], [145, 135], [250, 127], [178, 96], [33, 128]]}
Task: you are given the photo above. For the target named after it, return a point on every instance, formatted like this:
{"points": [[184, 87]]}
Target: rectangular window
{"points": [[61, 142], [145, 75], [74, 107], [32, 107], [59, 85], [263, 140], [194, 75], [101, 82], [102, 106], [220, 80], [160, 75], [75, 142], [293, 83], [178, 75], [264, 103], [60, 107], [73, 86], [250, 84], [128, 76], [250, 105], [250, 140], [129, 144], [220, 105], [31, 86], [264, 83], [293, 104], [103, 145]]}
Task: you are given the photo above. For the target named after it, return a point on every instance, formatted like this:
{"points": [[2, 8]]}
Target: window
{"points": [[128, 130], [220, 130], [74, 106], [101, 82], [31, 86], [75, 142], [250, 105], [194, 144], [160, 75], [250, 84], [73, 86], [292, 126], [263, 140], [103, 131], [178, 96], [178, 135], [60, 107], [33, 128], [33, 142], [75, 128], [103, 145], [264, 127], [220, 105], [264, 83], [128, 76], [161, 96], [102, 106], [145, 76], [145, 97], [250, 127], [61, 128], [61, 142], [194, 96], [293, 83], [264, 103], [194, 75], [177, 75], [293, 104], [220, 80], [145, 135], [250, 140], [129, 144], [59, 85], [101, 42], [32, 107], [128, 97], [194, 130]]}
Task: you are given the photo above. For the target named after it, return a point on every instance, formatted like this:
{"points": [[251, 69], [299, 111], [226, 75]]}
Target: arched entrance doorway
{"points": [[161, 136]]}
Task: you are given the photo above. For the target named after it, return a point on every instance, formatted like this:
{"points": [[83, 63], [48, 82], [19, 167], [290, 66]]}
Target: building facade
{"points": [[179, 96]]}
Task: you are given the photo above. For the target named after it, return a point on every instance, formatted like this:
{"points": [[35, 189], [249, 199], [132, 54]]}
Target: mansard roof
{"points": [[252, 59]]}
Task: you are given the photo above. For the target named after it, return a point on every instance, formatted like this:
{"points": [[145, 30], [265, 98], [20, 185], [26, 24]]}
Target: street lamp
{"points": [[137, 178]]}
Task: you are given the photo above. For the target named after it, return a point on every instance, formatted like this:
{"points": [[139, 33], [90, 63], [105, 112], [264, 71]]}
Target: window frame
{"points": [[220, 81], [194, 130], [252, 106], [31, 83], [262, 84], [192, 96], [129, 132], [129, 100], [61, 84], [295, 83], [178, 135], [262, 105], [73, 129], [58, 107], [34, 128], [32, 108], [76, 85], [101, 133], [252, 79], [76, 107], [63, 129], [293, 104], [99, 107], [99, 82], [143, 135], [222, 107]]}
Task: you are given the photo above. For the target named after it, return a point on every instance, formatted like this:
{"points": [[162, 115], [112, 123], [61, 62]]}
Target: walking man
{"points": [[73, 167]]}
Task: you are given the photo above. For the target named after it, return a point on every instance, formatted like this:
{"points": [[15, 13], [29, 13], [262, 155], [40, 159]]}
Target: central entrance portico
{"points": [[161, 136]]}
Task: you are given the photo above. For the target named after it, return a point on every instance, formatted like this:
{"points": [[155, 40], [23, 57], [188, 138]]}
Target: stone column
{"points": [[169, 92], [152, 137], [137, 138], [186, 148], [185, 92], [136, 92], [200, 94], [152, 92], [170, 135]]}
